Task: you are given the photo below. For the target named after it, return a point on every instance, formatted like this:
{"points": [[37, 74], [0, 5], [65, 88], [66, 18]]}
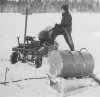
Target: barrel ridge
{"points": [[79, 64]]}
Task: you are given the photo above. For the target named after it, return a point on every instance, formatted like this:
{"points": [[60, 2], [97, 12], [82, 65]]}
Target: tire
{"points": [[14, 58], [38, 62]]}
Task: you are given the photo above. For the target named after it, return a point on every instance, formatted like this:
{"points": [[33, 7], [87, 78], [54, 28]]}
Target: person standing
{"points": [[66, 25]]}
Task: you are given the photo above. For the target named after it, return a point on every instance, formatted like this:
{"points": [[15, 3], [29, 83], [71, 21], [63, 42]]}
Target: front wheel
{"points": [[14, 57]]}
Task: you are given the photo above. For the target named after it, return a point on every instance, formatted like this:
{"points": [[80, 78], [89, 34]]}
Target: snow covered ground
{"points": [[85, 33]]}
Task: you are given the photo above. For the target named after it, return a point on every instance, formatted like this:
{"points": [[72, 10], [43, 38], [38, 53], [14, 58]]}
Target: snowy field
{"points": [[85, 33]]}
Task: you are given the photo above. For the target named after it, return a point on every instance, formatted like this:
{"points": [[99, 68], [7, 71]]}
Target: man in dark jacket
{"points": [[64, 28]]}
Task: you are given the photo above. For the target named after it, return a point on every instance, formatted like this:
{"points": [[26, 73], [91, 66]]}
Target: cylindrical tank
{"points": [[44, 34], [70, 64]]}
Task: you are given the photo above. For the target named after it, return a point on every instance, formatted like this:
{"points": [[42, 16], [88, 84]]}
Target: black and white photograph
{"points": [[49, 48]]}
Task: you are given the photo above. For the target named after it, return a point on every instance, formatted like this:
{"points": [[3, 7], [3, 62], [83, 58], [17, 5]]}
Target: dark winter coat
{"points": [[67, 21]]}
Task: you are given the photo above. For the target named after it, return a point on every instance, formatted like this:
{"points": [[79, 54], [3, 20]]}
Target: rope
{"points": [[7, 82]]}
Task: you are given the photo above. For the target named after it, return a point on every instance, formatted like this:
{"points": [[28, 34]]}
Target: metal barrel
{"points": [[70, 64]]}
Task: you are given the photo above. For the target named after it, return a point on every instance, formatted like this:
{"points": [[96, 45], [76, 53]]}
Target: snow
{"points": [[85, 33]]}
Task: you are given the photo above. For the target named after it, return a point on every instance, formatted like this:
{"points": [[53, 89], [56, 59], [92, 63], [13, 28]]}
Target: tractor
{"points": [[33, 51]]}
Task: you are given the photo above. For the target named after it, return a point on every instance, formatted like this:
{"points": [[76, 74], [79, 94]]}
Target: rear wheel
{"points": [[14, 57], [38, 62]]}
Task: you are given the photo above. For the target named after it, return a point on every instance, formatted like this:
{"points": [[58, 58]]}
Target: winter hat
{"points": [[65, 7]]}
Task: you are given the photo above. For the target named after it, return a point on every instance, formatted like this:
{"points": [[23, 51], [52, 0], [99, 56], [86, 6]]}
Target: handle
{"points": [[84, 49]]}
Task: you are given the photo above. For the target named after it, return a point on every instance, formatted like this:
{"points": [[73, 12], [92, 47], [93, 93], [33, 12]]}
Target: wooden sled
{"points": [[64, 88]]}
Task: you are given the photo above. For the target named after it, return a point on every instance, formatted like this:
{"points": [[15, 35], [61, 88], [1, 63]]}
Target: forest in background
{"points": [[48, 6]]}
